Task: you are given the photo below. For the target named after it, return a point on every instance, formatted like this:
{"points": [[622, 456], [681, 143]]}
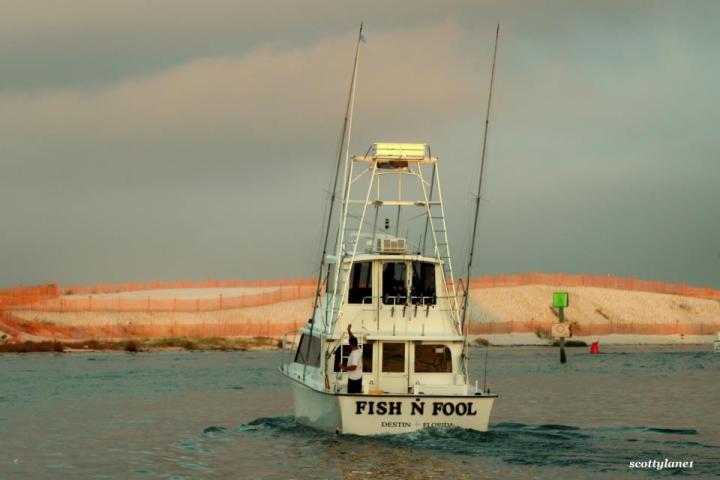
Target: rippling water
{"points": [[227, 415]]}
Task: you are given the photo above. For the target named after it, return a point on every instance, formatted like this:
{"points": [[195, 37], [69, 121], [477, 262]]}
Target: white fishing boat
{"points": [[390, 277]]}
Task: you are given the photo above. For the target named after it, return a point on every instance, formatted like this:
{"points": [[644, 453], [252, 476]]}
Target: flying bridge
{"points": [[414, 182], [397, 155]]}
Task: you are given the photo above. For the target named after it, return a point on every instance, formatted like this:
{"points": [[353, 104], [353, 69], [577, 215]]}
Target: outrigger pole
{"points": [[477, 197], [343, 135]]}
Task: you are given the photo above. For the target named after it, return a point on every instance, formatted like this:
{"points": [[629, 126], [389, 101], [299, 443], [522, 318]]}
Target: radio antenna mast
{"points": [[477, 196], [343, 140]]}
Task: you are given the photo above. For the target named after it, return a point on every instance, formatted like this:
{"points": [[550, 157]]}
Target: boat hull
{"points": [[382, 414]]}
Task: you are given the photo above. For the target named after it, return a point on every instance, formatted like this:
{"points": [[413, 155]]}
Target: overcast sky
{"points": [[188, 140]]}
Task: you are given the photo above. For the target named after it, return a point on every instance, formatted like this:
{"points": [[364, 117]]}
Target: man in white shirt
{"points": [[354, 365]]}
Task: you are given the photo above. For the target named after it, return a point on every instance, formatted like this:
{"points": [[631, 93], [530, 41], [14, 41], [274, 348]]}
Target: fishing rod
{"points": [[343, 136], [477, 209]]}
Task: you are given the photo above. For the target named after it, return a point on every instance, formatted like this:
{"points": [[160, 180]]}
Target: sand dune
{"points": [[590, 305], [493, 311], [184, 293]]}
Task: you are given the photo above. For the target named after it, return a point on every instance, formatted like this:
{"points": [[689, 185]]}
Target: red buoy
{"points": [[595, 347]]}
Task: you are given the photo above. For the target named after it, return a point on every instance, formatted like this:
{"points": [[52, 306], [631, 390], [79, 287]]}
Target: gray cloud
{"points": [[202, 146]]}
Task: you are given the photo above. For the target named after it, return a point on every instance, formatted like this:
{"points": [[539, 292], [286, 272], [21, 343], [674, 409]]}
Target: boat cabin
{"points": [[404, 325]]}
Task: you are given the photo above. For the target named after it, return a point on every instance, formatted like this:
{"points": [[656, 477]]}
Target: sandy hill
{"points": [[493, 311], [591, 305]]}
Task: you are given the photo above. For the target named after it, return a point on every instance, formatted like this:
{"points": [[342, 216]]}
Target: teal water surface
{"points": [[228, 415]]}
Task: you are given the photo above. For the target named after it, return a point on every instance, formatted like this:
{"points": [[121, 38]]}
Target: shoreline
{"points": [[531, 339], [259, 343], [167, 344]]}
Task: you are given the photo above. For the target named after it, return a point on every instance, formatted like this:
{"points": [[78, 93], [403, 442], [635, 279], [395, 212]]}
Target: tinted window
{"points": [[423, 283], [394, 283], [367, 357], [308, 351], [432, 358], [393, 357], [360, 283]]}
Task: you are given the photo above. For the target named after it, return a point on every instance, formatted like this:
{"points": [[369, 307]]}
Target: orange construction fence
{"points": [[16, 327], [160, 285], [599, 281], [148, 304], [48, 297], [82, 299], [591, 329], [27, 295]]}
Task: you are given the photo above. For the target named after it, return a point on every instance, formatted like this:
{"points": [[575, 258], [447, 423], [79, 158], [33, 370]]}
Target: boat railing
{"points": [[400, 300], [424, 301], [418, 306]]}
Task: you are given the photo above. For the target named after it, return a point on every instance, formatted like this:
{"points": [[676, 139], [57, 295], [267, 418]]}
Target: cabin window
{"points": [[394, 283], [423, 284], [367, 357], [308, 351], [432, 359], [344, 352], [360, 283], [393, 357]]}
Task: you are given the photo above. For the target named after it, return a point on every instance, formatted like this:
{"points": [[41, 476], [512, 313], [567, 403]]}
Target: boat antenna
{"points": [[333, 196], [427, 218], [477, 198]]}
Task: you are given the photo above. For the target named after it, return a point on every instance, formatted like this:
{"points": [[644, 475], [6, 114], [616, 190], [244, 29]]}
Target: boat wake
{"points": [[608, 449], [286, 425]]}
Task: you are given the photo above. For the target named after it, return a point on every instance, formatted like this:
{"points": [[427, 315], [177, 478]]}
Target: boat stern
{"points": [[392, 414]]}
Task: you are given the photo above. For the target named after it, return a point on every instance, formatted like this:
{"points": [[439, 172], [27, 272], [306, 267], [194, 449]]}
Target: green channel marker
{"points": [[561, 301]]}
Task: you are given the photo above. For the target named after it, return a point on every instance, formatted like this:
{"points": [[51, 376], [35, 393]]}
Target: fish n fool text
{"points": [[417, 407]]}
